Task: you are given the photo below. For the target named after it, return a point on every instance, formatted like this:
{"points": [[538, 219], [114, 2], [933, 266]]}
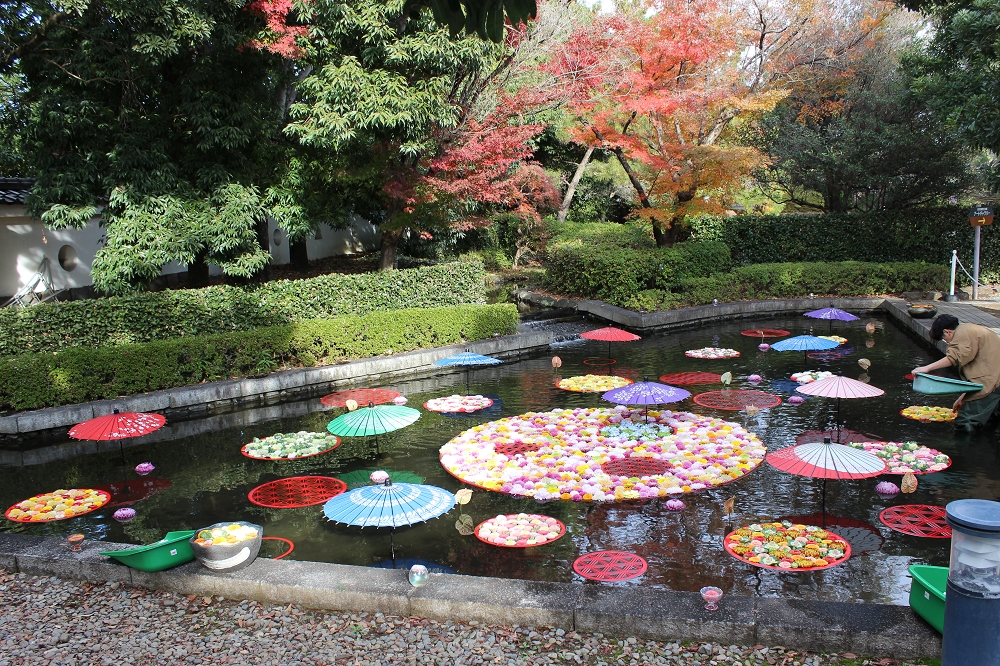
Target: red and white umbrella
{"points": [[823, 460], [120, 425], [840, 387], [610, 334]]}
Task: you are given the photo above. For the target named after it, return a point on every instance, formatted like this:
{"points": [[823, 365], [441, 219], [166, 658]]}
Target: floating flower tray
{"points": [[291, 446], [592, 383], [905, 457], [786, 546], [58, 505], [458, 404], [520, 530], [712, 353], [927, 414]]}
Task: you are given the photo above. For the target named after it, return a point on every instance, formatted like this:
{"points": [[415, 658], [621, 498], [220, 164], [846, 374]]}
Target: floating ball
{"points": [[763, 346], [887, 488], [796, 400], [379, 476], [755, 379], [674, 505], [144, 468], [124, 515], [399, 400]]}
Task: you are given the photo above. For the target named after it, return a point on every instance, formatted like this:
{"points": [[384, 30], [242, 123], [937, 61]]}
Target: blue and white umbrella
{"points": [[804, 343], [467, 360]]}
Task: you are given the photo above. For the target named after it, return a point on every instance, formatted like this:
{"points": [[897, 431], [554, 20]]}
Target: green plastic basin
{"points": [[927, 593], [171, 551], [934, 385]]}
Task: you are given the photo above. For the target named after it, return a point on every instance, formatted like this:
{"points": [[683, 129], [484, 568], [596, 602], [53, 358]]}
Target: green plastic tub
{"points": [[171, 551], [927, 593], [935, 385]]}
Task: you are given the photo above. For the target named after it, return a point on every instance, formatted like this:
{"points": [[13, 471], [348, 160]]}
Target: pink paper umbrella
{"points": [[610, 334], [840, 387]]}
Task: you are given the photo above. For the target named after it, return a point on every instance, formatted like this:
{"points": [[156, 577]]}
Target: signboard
{"points": [[981, 215]]}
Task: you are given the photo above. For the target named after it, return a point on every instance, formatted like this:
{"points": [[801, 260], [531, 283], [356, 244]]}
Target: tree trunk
{"points": [[571, 190], [298, 255], [198, 271], [390, 241]]}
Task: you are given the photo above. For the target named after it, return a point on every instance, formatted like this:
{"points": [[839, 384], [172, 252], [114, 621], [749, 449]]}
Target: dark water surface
{"points": [[210, 479]]}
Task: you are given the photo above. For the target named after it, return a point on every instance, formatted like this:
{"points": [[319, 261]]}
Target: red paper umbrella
{"points": [[819, 460], [610, 334], [120, 425], [361, 396], [842, 436], [296, 492], [765, 333], [610, 565], [922, 520], [688, 378], [734, 401]]}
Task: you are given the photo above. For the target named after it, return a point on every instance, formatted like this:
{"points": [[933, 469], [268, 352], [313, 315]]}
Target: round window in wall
{"points": [[277, 236], [67, 258]]}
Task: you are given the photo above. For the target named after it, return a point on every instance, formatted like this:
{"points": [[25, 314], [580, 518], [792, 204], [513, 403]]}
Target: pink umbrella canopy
{"points": [[120, 425], [822, 460], [610, 334], [840, 387]]}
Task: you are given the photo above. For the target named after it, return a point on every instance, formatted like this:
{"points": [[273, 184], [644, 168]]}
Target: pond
{"points": [[209, 479]]}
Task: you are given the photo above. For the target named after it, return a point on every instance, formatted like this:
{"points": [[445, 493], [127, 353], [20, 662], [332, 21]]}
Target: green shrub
{"points": [[173, 314], [923, 234], [36, 380], [598, 233]]}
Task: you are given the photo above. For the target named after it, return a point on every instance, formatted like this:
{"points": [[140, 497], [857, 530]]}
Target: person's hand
{"points": [[922, 369], [958, 403]]}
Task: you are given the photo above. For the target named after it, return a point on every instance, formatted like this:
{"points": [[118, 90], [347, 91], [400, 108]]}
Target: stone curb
{"points": [[278, 386], [870, 629]]}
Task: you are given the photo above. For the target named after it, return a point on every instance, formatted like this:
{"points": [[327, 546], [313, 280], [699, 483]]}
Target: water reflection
{"points": [[210, 479]]}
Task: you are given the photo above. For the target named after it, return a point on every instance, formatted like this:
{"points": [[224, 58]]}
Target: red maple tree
{"points": [[278, 37]]}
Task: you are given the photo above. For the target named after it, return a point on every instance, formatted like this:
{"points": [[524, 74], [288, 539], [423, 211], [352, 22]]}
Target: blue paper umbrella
{"points": [[804, 343], [467, 360]]}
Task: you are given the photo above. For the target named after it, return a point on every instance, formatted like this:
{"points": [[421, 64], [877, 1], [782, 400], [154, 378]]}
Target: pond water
{"points": [[209, 478]]}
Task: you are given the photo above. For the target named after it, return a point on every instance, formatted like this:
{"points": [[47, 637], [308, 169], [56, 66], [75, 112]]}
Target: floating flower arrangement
{"points": [[809, 376], [458, 403], [225, 535], [836, 338], [290, 446], [786, 545], [559, 454], [592, 383], [58, 505], [906, 456], [520, 530], [926, 413], [712, 352]]}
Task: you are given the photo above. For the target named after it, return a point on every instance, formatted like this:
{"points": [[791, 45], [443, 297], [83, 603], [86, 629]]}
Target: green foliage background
{"points": [[32, 381], [144, 317]]}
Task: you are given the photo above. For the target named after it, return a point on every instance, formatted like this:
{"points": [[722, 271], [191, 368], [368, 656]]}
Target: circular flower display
{"points": [[712, 352], [520, 530], [458, 403], [592, 383], [566, 451], [836, 338], [290, 446], [925, 413], [786, 546], [906, 457], [58, 505], [809, 376]]}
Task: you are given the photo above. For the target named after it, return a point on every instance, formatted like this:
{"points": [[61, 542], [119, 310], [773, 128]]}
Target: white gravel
{"points": [[53, 621]]}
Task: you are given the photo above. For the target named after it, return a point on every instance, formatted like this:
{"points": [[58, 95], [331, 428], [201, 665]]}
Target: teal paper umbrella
{"points": [[372, 420]]}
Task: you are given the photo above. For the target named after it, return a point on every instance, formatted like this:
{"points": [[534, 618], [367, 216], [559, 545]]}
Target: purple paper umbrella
{"points": [[831, 313], [646, 393]]}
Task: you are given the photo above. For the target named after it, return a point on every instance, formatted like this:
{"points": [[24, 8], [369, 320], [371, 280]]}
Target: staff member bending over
{"points": [[975, 351]]}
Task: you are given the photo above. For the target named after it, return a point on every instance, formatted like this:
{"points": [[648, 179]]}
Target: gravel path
{"points": [[52, 621]]}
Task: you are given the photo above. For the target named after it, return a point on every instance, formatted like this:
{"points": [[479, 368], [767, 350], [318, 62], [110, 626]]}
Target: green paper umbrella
{"points": [[374, 420], [361, 477]]}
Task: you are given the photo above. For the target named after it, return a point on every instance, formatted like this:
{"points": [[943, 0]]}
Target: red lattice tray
{"points": [[635, 467], [610, 566], [511, 449], [296, 492], [922, 520], [598, 361], [291, 546], [361, 396], [688, 378], [734, 401], [765, 333]]}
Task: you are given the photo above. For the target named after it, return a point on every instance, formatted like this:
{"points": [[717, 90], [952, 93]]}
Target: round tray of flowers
{"points": [[712, 353], [454, 404], [519, 530], [904, 457], [290, 446], [810, 376], [786, 546], [929, 414], [593, 454], [592, 383], [58, 505], [839, 339]]}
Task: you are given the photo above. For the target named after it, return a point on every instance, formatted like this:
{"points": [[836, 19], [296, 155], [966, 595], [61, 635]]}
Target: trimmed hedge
{"points": [[922, 234], [165, 315], [31, 381], [614, 274], [796, 280]]}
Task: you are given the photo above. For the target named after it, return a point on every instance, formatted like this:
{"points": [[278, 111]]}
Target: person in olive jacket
{"points": [[975, 352]]}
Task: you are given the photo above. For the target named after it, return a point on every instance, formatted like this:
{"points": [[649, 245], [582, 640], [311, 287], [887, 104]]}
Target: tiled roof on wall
{"points": [[13, 190]]}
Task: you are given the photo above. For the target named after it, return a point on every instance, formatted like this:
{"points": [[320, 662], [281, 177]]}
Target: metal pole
{"points": [[975, 266], [954, 266]]}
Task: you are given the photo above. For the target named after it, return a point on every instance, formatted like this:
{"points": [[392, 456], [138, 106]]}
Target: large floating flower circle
{"points": [[926, 413], [810, 376], [58, 505], [592, 383], [602, 454], [787, 546], [712, 352], [458, 403], [906, 457]]}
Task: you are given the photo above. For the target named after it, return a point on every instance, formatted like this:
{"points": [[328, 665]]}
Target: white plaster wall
{"points": [[361, 236]]}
